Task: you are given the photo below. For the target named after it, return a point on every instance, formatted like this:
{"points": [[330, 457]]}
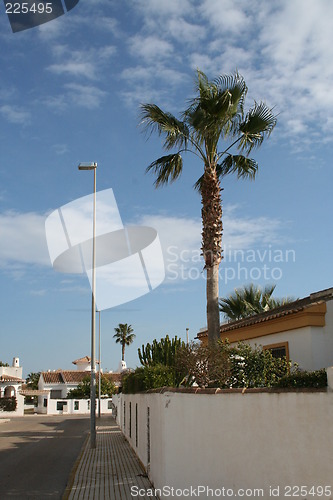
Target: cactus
{"points": [[161, 352]]}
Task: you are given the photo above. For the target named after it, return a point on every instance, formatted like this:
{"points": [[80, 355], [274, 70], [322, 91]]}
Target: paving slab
{"points": [[110, 470]]}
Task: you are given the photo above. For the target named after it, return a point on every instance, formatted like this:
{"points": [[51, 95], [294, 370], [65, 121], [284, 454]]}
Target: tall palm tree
{"points": [[250, 300], [124, 336], [215, 115]]}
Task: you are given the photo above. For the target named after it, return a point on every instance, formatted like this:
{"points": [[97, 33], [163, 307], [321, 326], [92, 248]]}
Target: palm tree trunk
{"points": [[123, 352], [213, 313], [212, 246]]}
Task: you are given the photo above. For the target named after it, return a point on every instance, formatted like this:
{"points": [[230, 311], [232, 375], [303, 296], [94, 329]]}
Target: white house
{"points": [[301, 330], [53, 387], [10, 385]]}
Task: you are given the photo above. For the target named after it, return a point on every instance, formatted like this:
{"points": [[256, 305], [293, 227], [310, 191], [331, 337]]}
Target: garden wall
{"points": [[259, 441]]}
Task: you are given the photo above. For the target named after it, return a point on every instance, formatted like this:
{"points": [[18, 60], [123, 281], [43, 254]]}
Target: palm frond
{"points": [[175, 131], [244, 167], [217, 109], [236, 86], [259, 122], [202, 83], [167, 168]]}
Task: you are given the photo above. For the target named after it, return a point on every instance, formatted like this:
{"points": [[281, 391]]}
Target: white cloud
{"points": [[283, 49], [74, 68], [86, 96], [181, 238], [227, 16], [80, 63], [150, 47], [23, 239], [15, 114]]}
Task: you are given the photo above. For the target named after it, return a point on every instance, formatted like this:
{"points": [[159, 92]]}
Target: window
{"points": [[61, 405], [110, 404], [279, 350], [45, 403], [56, 394], [76, 405]]}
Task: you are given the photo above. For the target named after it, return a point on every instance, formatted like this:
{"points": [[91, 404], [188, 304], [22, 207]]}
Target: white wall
{"points": [[12, 371], [311, 347], [19, 412], [84, 407], [235, 440]]}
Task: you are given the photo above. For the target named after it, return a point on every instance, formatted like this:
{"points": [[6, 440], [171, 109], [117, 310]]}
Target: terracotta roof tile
{"points": [[74, 376], [52, 377], [9, 378]]}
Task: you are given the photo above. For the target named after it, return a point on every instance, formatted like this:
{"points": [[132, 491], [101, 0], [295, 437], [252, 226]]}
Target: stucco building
{"points": [[301, 330]]}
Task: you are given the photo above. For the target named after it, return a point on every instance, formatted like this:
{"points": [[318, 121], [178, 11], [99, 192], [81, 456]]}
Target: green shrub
{"points": [[148, 377], [255, 367], [8, 404], [316, 379], [133, 382]]}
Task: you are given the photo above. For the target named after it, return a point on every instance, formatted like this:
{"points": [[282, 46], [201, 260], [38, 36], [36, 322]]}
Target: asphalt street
{"points": [[37, 454]]}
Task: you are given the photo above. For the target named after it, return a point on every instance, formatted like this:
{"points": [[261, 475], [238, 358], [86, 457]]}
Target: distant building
{"points": [[301, 330], [10, 385], [54, 386]]}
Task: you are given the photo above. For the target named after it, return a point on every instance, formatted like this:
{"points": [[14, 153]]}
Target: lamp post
{"points": [[99, 369], [187, 329], [92, 166]]}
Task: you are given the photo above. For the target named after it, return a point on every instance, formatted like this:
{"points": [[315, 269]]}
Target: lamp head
{"points": [[87, 166]]}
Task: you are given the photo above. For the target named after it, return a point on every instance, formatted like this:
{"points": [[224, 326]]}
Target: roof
{"points": [[74, 376], [85, 359], [279, 312], [9, 378], [52, 377], [64, 376]]}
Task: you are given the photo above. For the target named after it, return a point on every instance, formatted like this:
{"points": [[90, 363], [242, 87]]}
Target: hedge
{"points": [[8, 404]]}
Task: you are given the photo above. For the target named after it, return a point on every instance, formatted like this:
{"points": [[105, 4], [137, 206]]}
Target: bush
{"points": [[8, 404], [255, 367], [205, 365], [148, 377], [316, 379]]}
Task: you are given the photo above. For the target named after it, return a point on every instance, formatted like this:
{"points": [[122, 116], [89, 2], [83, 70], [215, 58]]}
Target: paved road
{"points": [[37, 454]]}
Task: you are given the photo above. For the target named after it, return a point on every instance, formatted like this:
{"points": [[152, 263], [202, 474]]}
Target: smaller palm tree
{"points": [[124, 336], [250, 300]]}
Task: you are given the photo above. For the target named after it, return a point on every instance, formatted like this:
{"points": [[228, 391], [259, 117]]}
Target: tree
{"points": [[82, 391], [32, 383], [124, 336], [32, 380], [215, 115], [250, 300]]}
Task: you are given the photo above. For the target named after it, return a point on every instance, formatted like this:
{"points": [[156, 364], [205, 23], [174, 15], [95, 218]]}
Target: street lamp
{"points": [[99, 368], [92, 166]]}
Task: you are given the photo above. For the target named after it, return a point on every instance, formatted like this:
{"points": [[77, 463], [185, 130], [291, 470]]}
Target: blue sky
{"points": [[70, 92]]}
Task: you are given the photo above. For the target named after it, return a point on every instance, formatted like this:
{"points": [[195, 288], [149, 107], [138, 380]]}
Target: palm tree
{"points": [[124, 336], [250, 300], [216, 114]]}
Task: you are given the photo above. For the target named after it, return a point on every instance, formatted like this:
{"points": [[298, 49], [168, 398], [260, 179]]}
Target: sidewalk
{"points": [[110, 470]]}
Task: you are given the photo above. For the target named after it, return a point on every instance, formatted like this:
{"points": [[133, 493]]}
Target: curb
{"points": [[71, 478]]}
